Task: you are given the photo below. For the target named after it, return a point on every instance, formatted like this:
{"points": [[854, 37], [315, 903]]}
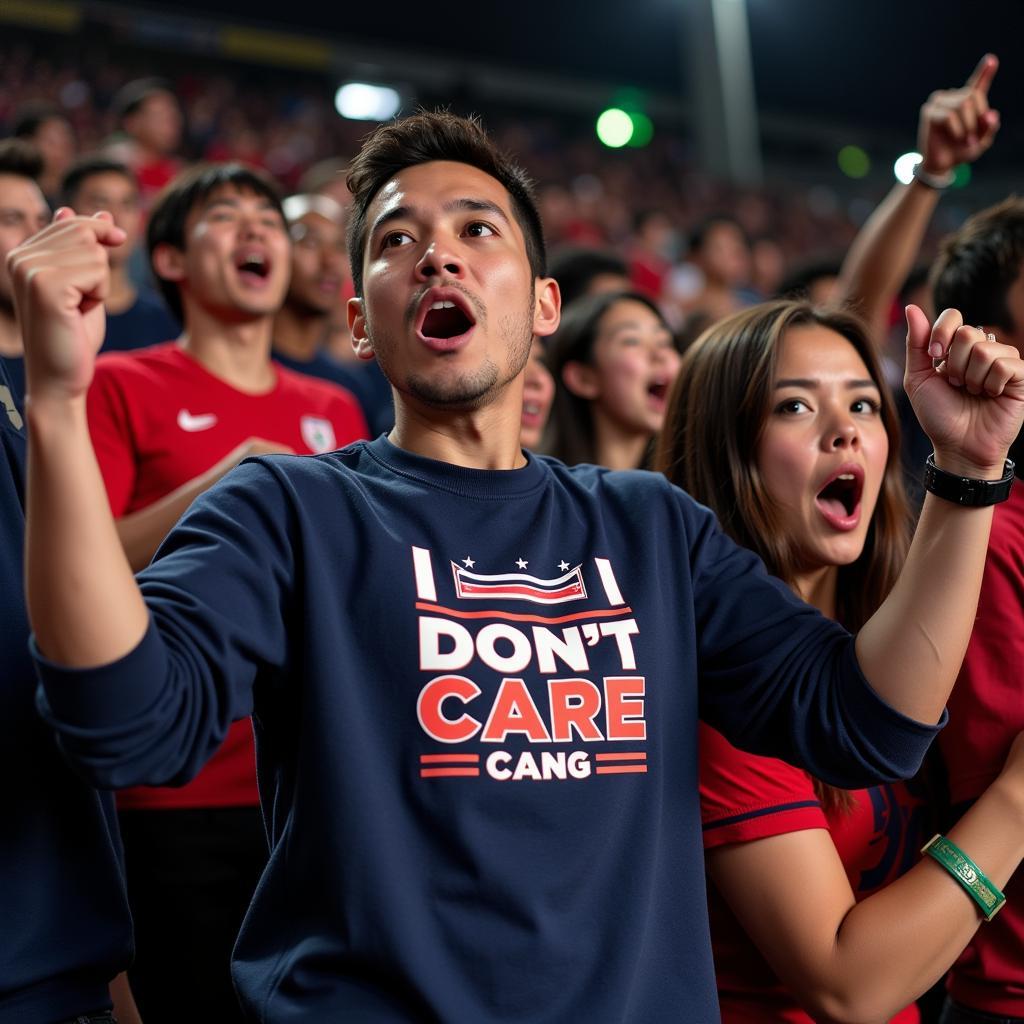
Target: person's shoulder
{"points": [[162, 354], [134, 366], [298, 382], [325, 394], [344, 466], [628, 485], [587, 475], [748, 796]]}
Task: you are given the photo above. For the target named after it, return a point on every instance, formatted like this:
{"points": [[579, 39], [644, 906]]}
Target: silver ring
{"points": [[990, 337]]}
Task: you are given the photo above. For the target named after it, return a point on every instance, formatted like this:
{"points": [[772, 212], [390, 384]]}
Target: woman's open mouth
{"points": [[657, 393], [839, 500]]}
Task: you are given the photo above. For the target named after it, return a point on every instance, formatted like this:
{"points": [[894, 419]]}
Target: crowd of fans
{"points": [[654, 206], [666, 357]]}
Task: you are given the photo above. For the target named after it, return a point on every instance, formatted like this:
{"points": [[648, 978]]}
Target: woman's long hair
{"points": [[570, 434], [717, 412]]}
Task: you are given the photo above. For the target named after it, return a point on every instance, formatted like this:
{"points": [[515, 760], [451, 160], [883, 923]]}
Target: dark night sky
{"points": [[860, 64], [856, 59]]}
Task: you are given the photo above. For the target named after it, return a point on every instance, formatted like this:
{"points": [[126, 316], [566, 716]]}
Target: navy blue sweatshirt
{"points": [[475, 697], [64, 925]]}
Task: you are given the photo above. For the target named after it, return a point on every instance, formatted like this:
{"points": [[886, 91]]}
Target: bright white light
{"points": [[359, 101], [615, 128], [904, 167]]}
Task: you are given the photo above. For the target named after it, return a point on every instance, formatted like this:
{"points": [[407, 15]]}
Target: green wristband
{"points": [[967, 873]]}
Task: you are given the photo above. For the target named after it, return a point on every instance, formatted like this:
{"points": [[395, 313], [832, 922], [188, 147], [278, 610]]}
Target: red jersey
{"points": [[746, 797], [158, 419], [986, 711]]}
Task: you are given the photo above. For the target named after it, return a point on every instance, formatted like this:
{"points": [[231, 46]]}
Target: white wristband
{"points": [[938, 182]]}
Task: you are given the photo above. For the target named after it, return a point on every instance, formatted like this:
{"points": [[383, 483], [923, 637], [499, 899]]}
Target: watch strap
{"points": [[965, 490]]}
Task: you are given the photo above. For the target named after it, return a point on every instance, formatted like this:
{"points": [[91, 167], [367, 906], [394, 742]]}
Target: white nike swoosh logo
{"points": [[193, 423]]}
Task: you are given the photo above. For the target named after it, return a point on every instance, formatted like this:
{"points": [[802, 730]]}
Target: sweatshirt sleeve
{"points": [[218, 591], [778, 678]]}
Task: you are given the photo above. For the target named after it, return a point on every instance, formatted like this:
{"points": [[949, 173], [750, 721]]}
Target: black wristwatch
{"points": [[965, 490]]}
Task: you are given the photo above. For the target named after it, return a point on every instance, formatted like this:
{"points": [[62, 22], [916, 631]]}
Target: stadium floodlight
{"points": [[360, 101], [615, 128], [904, 167]]}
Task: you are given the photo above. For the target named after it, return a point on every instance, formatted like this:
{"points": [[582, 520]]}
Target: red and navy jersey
{"points": [[745, 797], [475, 696], [158, 419], [986, 712]]}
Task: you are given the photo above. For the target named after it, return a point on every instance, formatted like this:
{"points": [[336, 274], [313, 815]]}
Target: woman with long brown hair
{"points": [[780, 422]]}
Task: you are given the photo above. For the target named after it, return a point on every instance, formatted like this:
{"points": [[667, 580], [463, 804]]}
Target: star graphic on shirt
{"points": [[563, 565], [468, 562], [522, 564]]}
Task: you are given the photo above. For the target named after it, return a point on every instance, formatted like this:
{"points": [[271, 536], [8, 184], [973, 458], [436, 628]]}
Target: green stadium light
{"points": [[961, 176], [643, 129], [854, 162], [615, 128]]}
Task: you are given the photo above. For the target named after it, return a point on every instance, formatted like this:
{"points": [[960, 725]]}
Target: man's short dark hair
{"points": [[167, 219], [421, 139], [30, 117], [574, 267], [88, 166], [978, 264], [21, 159], [131, 96]]}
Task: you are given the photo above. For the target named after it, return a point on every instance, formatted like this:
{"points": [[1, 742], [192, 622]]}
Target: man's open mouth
{"points": [[445, 320], [254, 264]]}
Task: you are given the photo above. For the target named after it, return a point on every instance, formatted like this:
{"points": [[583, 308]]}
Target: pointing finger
{"points": [[982, 75]]}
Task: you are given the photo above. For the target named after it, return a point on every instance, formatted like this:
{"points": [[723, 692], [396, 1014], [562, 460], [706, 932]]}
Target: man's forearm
{"points": [[142, 532], [911, 649], [83, 601]]}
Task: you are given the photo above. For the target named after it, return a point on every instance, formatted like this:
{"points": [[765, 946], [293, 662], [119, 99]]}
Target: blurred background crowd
{"points": [[264, 92]]}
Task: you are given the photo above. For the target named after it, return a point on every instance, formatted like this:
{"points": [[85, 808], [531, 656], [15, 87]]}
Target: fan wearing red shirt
{"points": [[877, 834], [166, 423], [820, 906], [982, 265]]}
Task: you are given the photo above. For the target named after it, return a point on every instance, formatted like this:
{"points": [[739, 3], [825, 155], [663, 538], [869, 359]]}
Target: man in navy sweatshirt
{"points": [[475, 676]]}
